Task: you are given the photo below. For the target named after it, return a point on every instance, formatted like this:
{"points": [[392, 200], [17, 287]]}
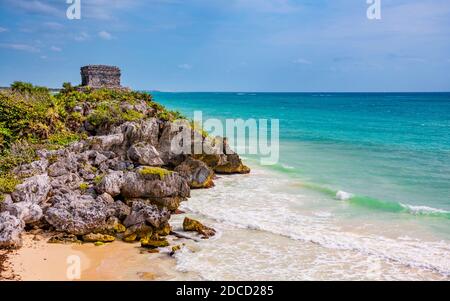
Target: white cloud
{"points": [[93, 9], [105, 35], [104, 9], [53, 25], [401, 57], [268, 6], [3, 29], [185, 66], [81, 37], [19, 47], [302, 61], [56, 49], [37, 7]]}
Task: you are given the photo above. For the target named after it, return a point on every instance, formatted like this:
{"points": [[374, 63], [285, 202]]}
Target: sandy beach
{"points": [[39, 260]]}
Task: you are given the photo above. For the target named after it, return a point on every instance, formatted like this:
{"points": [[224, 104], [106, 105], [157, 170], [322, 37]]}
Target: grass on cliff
{"points": [[33, 118]]}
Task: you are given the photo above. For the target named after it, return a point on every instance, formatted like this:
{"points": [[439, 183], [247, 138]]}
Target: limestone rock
{"points": [[165, 147], [76, 214], [106, 142], [120, 210], [28, 212], [164, 230], [95, 237], [34, 190], [233, 165], [218, 155], [137, 232], [68, 181], [112, 183], [175, 249], [142, 131], [33, 168], [146, 183], [67, 162], [144, 154], [196, 172], [106, 198], [171, 203], [10, 231], [113, 226], [146, 213], [193, 225], [64, 238], [154, 242]]}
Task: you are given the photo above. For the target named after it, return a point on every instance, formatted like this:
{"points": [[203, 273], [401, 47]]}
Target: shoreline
{"points": [[41, 261], [111, 176], [124, 261], [6, 271]]}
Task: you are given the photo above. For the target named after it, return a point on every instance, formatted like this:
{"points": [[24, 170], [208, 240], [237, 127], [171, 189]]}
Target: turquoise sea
{"points": [[388, 156]]}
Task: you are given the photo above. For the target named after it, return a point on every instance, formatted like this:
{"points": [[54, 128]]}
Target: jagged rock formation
{"points": [[122, 181]]}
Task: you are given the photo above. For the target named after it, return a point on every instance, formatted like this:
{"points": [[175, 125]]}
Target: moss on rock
{"points": [[193, 225], [64, 238], [130, 238], [161, 172], [96, 237], [154, 242], [164, 230], [84, 186]]}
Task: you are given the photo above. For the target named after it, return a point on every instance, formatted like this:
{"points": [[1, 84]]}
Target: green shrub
{"points": [[131, 115], [199, 129], [5, 135], [8, 182], [67, 88], [169, 115], [21, 152], [64, 138], [23, 87], [32, 118], [107, 113]]}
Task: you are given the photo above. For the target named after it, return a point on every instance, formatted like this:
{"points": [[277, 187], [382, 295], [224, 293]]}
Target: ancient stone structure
{"points": [[100, 76]]}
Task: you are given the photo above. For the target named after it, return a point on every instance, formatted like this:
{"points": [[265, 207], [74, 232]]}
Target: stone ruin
{"points": [[100, 76]]}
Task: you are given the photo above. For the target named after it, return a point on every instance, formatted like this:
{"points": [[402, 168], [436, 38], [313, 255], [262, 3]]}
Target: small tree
{"points": [[22, 87], [67, 88]]}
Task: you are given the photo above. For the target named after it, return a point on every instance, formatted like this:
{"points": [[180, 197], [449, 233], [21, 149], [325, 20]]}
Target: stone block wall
{"points": [[100, 76]]}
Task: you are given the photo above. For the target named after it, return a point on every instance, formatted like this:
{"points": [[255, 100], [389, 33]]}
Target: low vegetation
{"points": [[33, 118]]}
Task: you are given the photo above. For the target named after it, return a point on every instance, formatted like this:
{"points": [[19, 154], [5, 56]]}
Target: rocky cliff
{"points": [[95, 166]]}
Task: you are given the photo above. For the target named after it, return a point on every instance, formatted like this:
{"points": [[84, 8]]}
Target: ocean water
{"points": [[361, 189]]}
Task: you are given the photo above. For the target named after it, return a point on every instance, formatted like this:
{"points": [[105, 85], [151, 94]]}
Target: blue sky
{"points": [[231, 45]]}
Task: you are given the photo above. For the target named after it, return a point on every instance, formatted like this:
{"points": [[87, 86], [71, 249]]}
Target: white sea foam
{"points": [[323, 214], [424, 209], [286, 166], [343, 196], [260, 203]]}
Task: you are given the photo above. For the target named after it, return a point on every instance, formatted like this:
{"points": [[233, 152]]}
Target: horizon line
{"points": [[304, 92], [265, 92]]}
